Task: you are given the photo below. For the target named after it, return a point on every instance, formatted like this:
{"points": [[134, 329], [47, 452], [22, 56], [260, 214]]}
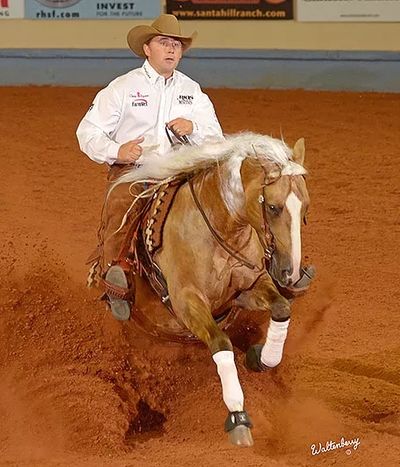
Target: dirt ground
{"points": [[78, 388]]}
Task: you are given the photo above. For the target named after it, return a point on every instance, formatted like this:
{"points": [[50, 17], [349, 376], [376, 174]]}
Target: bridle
{"points": [[266, 239]]}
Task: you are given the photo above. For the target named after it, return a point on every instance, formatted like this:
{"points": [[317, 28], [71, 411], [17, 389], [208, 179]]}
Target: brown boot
{"points": [[119, 295], [117, 279]]}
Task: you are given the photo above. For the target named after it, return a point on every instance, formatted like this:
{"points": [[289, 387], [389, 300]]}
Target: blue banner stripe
{"points": [[84, 9]]}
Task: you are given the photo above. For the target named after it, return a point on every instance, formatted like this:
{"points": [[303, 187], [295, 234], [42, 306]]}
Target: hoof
{"points": [[307, 276], [298, 289], [253, 359], [241, 436], [238, 426]]}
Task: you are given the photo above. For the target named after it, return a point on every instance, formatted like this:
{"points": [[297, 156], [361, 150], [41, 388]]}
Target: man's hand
{"points": [[181, 126], [130, 152]]}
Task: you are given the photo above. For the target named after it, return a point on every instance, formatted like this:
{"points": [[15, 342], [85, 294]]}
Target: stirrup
{"points": [[119, 295]]}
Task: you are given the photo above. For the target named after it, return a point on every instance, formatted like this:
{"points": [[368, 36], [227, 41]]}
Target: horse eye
{"points": [[305, 220], [275, 210]]}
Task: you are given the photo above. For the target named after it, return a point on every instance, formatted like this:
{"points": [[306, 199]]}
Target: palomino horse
{"points": [[249, 191]]}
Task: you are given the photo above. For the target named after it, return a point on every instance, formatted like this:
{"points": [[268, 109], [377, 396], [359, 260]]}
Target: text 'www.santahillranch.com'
{"points": [[229, 13]]}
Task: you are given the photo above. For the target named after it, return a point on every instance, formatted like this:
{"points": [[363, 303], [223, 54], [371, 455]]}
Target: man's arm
{"points": [[205, 122], [95, 131], [97, 127]]}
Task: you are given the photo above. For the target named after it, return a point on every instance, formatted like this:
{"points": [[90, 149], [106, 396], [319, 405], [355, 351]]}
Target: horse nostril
{"points": [[286, 280]]}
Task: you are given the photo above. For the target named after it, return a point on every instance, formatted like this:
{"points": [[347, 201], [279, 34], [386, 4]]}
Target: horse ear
{"points": [[299, 151]]}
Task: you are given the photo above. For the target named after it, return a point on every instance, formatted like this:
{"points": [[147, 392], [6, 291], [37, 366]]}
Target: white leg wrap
{"points": [[231, 390], [271, 353]]}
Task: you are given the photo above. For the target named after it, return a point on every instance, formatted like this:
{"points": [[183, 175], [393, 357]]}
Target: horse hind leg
{"points": [[197, 317]]}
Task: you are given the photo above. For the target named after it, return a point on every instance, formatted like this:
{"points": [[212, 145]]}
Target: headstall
{"points": [[267, 239]]}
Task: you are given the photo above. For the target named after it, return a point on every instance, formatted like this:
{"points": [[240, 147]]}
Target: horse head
{"points": [[276, 203]]}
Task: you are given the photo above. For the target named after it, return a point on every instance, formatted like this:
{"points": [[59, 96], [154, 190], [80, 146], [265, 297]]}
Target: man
{"points": [[128, 117]]}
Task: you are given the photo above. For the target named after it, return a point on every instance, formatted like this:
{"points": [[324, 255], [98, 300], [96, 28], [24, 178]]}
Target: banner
{"points": [[231, 9], [92, 9], [11, 9], [348, 10]]}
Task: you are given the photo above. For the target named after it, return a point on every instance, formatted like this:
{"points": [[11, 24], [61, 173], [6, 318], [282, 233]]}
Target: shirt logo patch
{"points": [[139, 103], [139, 99], [184, 99], [137, 94]]}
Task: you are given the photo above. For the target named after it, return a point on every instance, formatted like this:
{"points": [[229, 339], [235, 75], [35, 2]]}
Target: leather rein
{"points": [[267, 240], [268, 246]]}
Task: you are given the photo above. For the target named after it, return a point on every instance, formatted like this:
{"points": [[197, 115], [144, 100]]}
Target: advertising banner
{"points": [[92, 9], [348, 10], [11, 9], [231, 9]]}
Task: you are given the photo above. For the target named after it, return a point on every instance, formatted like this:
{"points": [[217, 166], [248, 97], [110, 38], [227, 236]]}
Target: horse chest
{"points": [[227, 279]]}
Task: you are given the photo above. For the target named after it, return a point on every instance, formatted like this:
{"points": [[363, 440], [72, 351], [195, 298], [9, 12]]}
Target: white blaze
{"points": [[293, 205]]}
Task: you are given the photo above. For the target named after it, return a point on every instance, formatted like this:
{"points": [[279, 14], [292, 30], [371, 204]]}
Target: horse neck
{"points": [[253, 177], [210, 194]]}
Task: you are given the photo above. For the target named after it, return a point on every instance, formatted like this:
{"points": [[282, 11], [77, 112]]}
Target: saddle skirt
{"points": [[149, 237], [153, 220]]}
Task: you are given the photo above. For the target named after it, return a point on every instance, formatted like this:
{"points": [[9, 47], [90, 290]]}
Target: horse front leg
{"points": [[264, 295], [197, 317]]}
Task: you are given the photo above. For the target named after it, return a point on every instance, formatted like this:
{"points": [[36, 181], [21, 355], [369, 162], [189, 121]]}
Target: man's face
{"points": [[164, 54]]}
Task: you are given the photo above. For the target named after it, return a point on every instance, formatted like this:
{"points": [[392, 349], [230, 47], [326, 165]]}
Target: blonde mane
{"points": [[232, 151]]}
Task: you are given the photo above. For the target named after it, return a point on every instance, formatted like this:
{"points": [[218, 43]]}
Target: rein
{"points": [[215, 234], [268, 245]]}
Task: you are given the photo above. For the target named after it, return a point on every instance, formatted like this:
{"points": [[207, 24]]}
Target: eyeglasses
{"points": [[166, 42]]}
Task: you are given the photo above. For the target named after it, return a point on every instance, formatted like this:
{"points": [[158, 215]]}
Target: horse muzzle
{"points": [[281, 270]]}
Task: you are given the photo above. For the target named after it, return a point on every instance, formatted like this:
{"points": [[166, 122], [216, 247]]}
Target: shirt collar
{"points": [[153, 76]]}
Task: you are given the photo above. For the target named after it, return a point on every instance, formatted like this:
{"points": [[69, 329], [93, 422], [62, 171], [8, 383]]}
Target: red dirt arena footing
{"points": [[80, 389]]}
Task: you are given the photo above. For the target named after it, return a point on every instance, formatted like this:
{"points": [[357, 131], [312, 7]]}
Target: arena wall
{"points": [[275, 54]]}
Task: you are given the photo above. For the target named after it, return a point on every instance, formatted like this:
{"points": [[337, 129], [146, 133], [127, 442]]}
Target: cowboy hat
{"points": [[164, 25]]}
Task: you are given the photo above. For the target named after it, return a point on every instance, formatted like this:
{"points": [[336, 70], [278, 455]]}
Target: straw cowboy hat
{"points": [[164, 25]]}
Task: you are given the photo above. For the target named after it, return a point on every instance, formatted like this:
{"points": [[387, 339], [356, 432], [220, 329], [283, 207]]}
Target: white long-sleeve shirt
{"points": [[139, 103]]}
